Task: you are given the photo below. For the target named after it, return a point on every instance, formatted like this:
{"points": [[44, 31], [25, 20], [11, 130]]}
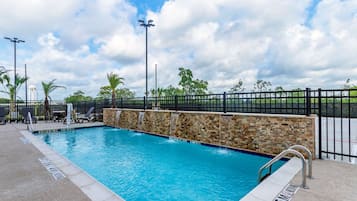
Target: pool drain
{"points": [[287, 193], [53, 170]]}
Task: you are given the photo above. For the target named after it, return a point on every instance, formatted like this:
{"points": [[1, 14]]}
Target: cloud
{"points": [[48, 40], [124, 46], [222, 41]]}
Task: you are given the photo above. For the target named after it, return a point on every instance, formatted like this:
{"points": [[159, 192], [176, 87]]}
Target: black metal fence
{"points": [[336, 110], [273, 102], [337, 123], [55, 107]]}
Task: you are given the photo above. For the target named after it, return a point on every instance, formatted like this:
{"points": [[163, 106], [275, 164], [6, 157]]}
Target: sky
{"points": [[294, 43]]}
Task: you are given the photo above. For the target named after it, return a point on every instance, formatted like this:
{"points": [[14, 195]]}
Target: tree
{"points": [[353, 94], [124, 93], [262, 85], [160, 92], [279, 89], [10, 88], [4, 100], [172, 91], [48, 88], [2, 72], [238, 87], [105, 93], [347, 84], [189, 85], [114, 82], [78, 96]]}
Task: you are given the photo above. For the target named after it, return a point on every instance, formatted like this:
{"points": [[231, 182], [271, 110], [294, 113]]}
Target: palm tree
{"points": [[10, 88], [47, 89], [114, 82], [2, 71]]}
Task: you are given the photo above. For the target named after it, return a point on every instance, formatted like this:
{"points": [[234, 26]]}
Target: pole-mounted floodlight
{"points": [[146, 25], [15, 41]]}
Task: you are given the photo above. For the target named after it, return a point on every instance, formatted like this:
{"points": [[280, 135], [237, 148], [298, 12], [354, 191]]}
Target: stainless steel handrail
{"points": [[280, 156], [309, 157], [30, 128]]}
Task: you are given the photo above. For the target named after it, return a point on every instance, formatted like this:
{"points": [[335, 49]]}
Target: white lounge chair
{"points": [[89, 116]]}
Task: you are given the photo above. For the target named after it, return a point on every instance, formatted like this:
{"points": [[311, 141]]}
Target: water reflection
{"points": [[47, 139], [110, 140], [70, 142]]}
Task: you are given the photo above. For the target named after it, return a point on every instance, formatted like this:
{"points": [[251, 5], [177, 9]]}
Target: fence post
{"points": [[320, 121], [224, 102], [121, 102], [144, 103], [308, 101], [176, 102]]}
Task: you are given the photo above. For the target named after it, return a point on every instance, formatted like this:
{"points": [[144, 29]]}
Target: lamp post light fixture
{"points": [[15, 41], [147, 24]]}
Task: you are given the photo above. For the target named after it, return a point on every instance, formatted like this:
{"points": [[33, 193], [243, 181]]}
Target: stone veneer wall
{"points": [[269, 134]]}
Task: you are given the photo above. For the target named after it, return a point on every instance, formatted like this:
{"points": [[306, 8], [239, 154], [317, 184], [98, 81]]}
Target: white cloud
{"points": [[35, 16], [222, 41], [124, 46], [48, 40]]}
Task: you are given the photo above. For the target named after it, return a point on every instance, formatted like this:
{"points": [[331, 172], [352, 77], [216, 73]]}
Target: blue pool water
{"points": [[144, 167]]}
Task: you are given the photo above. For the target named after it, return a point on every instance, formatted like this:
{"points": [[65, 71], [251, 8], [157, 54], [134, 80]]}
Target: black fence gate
{"points": [[337, 123]]}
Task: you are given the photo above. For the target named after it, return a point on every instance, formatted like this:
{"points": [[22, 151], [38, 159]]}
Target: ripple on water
{"points": [[112, 129], [171, 141], [136, 134], [222, 151]]}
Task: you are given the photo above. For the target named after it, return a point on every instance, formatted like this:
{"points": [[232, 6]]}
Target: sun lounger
{"points": [[24, 113], [89, 116]]}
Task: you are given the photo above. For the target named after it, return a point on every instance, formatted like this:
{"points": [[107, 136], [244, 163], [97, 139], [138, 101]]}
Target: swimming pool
{"points": [[139, 166]]}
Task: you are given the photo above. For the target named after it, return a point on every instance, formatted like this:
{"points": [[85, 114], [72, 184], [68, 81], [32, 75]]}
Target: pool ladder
{"points": [[30, 127], [291, 150]]}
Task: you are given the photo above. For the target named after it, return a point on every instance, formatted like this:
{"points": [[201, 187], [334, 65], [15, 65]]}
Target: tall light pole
{"points": [[26, 84], [147, 24], [15, 41], [156, 86]]}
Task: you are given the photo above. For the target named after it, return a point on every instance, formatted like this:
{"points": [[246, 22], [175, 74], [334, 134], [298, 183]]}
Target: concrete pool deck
{"points": [[33, 171], [331, 181], [24, 178]]}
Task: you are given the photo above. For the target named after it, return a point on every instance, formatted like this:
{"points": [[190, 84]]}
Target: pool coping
{"points": [[72, 127], [91, 187], [270, 188]]}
